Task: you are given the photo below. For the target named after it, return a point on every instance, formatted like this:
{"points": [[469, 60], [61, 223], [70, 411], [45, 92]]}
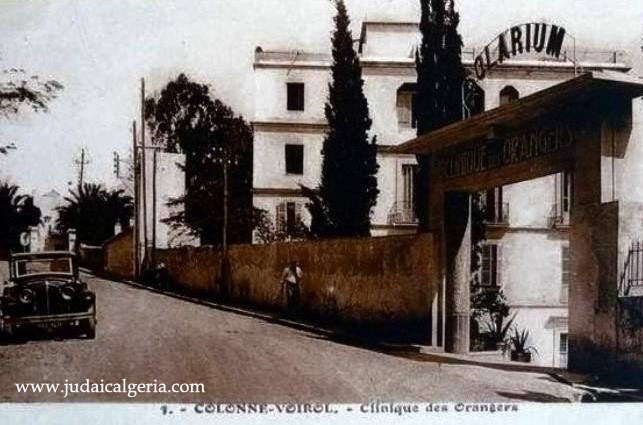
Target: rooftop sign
{"points": [[520, 39]]}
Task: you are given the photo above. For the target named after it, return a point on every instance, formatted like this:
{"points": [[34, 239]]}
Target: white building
{"points": [[289, 124], [48, 203], [526, 249], [164, 182]]}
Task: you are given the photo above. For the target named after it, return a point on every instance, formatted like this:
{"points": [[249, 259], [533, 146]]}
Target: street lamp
{"points": [[225, 158]]}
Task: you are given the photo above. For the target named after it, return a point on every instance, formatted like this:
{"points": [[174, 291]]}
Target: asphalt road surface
{"points": [[143, 336]]}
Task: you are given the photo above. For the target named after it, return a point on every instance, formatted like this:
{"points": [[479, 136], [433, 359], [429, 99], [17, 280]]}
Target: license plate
{"points": [[55, 325]]}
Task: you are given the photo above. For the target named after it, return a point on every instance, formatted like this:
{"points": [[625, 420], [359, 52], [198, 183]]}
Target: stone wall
{"points": [[118, 253], [192, 269], [384, 281], [91, 257]]}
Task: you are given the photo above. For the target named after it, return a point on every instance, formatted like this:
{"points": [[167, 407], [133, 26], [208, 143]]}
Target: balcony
{"points": [[631, 283], [558, 217], [498, 215], [401, 213]]}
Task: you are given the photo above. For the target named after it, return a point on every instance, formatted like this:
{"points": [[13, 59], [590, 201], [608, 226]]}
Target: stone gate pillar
{"points": [[457, 223]]}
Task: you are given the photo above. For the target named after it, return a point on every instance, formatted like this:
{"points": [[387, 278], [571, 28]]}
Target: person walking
{"points": [[290, 284]]}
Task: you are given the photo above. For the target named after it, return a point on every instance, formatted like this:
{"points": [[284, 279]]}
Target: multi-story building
{"points": [[289, 124], [526, 251]]}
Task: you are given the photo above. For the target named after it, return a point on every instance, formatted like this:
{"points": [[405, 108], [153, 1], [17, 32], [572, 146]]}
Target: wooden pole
{"points": [[153, 209], [135, 230], [82, 168], [225, 204], [143, 170]]}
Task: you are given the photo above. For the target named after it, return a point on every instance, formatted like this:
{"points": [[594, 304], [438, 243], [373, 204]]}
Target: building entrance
{"points": [[581, 130]]}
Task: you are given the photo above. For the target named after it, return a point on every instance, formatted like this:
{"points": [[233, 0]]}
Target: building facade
{"points": [[526, 248], [289, 125]]}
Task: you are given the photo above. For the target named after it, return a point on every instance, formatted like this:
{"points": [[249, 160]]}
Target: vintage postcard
{"points": [[321, 211]]}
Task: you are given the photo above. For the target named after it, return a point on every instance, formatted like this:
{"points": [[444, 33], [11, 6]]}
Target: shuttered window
{"points": [[406, 109], [565, 270], [288, 216], [490, 275]]}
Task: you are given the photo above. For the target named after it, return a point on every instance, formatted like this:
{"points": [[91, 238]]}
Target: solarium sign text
{"points": [[500, 152], [520, 39]]}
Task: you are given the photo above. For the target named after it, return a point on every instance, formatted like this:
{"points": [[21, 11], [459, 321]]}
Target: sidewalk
{"points": [[592, 388]]}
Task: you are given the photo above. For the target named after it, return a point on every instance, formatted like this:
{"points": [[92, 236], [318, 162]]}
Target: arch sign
{"points": [[520, 39]]}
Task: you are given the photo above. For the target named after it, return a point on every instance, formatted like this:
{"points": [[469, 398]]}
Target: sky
{"points": [[99, 50]]}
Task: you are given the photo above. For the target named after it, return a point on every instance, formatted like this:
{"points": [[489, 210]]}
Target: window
{"points": [[473, 98], [403, 210], [563, 201], [294, 159], [564, 189], [563, 349], [489, 276], [405, 105], [295, 95], [563, 343], [496, 211], [409, 175], [565, 273], [291, 217], [288, 217], [508, 94]]}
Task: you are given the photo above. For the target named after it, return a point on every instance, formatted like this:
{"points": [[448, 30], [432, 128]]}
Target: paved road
{"points": [[142, 336]]}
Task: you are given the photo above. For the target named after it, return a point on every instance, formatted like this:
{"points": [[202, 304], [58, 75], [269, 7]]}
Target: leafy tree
{"points": [[17, 213], [184, 118], [94, 211], [17, 90], [266, 231], [348, 189], [440, 75]]}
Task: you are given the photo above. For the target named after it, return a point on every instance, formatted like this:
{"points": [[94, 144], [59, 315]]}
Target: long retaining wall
{"points": [[371, 281]]}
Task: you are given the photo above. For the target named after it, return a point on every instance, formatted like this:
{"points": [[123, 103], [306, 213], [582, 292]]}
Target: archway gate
{"points": [[585, 126]]}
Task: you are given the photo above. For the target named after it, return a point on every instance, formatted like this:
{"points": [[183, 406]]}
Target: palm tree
{"points": [[94, 211], [17, 213]]}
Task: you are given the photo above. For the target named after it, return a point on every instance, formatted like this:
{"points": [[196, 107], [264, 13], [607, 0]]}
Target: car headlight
{"points": [[26, 296], [67, 292]]}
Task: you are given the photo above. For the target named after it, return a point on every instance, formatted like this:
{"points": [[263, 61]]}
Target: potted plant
{"points": [[490, 311], [520, 352]]}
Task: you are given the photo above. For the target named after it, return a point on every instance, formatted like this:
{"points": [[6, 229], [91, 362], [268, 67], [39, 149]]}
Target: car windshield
{"points": [[43, 265]]}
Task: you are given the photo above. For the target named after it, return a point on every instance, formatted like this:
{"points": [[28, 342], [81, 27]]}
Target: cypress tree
{"points": [[348, 189], [440, 75]]}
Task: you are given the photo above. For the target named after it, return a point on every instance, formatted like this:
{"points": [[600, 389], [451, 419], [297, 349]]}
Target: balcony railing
{"points": [[632, 275], [402, 212], [557, 216], [497, 216]]}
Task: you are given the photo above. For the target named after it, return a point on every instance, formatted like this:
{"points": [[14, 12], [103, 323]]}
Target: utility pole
{"points": [[82, 167], [153, 209], [81, 163], [135, 230], [225, 203], [225, 265], [143, 171], [117, 164]]}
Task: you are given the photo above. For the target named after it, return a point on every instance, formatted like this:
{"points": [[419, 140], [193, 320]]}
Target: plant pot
{"points": [[520, 356]]}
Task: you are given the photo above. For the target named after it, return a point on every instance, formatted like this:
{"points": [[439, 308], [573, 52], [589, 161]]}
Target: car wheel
{"points": [[89, 328], [8, 334]]}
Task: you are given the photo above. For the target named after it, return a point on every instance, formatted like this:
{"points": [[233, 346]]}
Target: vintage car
{"points": [[45, 292]]}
